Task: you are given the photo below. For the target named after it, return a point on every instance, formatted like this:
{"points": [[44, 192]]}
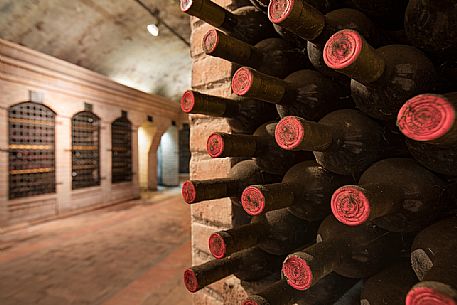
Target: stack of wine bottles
{"points": [[345, 119]]}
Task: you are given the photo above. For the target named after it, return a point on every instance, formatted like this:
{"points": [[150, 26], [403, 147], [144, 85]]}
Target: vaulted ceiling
{"points": [[106, 36]]}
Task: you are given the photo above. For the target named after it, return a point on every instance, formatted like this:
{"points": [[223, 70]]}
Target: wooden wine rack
{"points": [[121, 149], [85, 127], [31, 150]]}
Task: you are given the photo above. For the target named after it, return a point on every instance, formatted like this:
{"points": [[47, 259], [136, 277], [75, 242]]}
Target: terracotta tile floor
{"points": [[130, 254]]}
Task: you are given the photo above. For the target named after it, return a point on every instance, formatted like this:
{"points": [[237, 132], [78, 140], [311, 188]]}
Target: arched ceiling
{"points": [[106, 36]]}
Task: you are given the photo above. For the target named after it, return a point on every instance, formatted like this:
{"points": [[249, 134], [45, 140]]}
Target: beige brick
{"points": [[202, 298], [200, 236], [204, 167], [196, 39], [208, 71], [218, 211], [202, 129]]}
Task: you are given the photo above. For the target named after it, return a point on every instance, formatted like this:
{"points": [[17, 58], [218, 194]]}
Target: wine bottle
{"points": [[307, 22], [389, 286], [431, 26], [304, 93], [245, 23], [248, 265], [278, 232], [323, 6], [305, 189], [382, 79], [329, 290], [240, 176], [272, 56], [396, 194], [261, 146], [244, 115], [429, 122], [390, 14], [433, 261], [354, 252], [345, 141]]}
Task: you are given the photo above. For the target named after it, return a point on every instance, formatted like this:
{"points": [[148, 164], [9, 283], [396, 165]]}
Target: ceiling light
{"points": [[153, 29]]}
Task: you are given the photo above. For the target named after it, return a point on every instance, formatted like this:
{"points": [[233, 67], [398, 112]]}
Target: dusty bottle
{"points": [[382, 79], [245, 23], [304, 93], [429, 122], [261, 146], [240, 176], [248, 265], [433, 261], [272, 56], [431, 25], [307, 22], [354, 252], [389, 286], [389, 14], [323, 6], [345, 141], [396, 194], [278, 232], [244, 115], [330, 289], [305, 190]]}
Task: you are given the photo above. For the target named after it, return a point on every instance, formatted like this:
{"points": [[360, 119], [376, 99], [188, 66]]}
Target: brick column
{"points": [[210, 75]]}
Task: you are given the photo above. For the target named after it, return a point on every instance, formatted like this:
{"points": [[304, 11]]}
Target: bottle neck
{"points": [[251, 83], [306, 268], [201, 190], [349, 53], [242, 237], [299, 18], [294, 133], [384, 199], [218, 44], [214, 270], [276, 196], [222, 145], [357, 204], [193, 102], [210, 12]]}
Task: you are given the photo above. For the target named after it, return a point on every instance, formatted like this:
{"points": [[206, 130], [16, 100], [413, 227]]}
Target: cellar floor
{"points": [[129, 254]]}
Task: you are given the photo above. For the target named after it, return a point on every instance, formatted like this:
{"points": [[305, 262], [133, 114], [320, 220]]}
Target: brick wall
{"points": [[211, 75]]}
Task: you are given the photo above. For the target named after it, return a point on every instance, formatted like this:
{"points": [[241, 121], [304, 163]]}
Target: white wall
{"points": [[169, 158]]}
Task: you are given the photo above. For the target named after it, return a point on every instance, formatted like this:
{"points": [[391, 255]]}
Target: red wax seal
{"points": [[210, 41], [350, 205], [253, 201], [289, 132], [217, 245], [297, 272], [185, 5], [426, 117], [187, 101], [215, 145], [190, 280], [242, 81], [188, 192], [427, 296], [279, 10], [342, 49]]}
